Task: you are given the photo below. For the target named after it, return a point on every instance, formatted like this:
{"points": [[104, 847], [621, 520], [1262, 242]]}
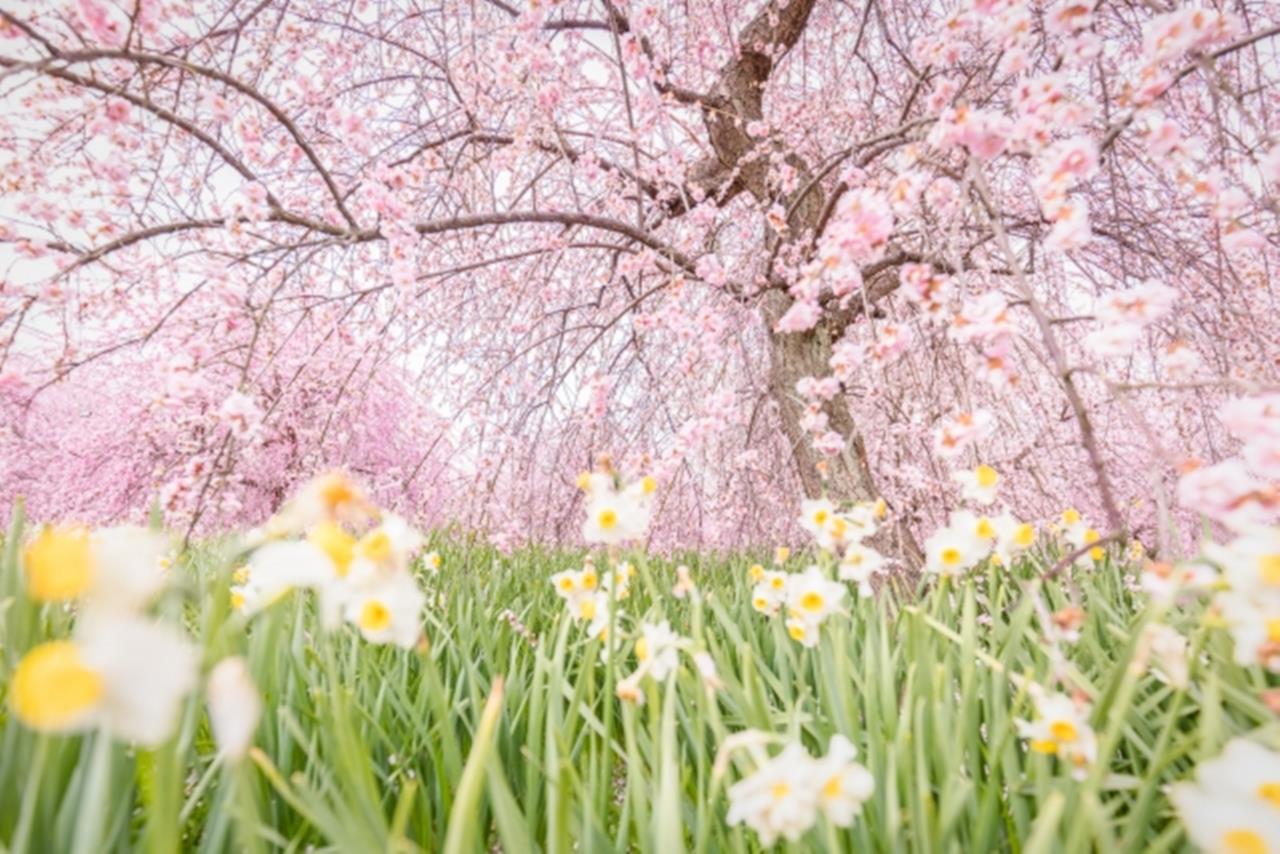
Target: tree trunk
{"points": [[740, 165], [846, 476]]}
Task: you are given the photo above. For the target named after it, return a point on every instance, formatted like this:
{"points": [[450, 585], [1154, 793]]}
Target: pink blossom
{"points": [[117, 110], [1067, 16], [830, 443], [801, 316], [98, 19], [1114, 340], [982, 318], [1139, 305], [958, 432], [859, 230], [1181, 361], [1229, 493], [1071, 227], [240, 413], [892, 340]]}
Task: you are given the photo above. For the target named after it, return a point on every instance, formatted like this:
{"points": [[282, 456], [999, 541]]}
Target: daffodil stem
{"points": [[92, 815], [30, 795]]}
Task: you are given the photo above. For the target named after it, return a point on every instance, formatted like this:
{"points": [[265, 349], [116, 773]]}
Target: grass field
{"points": [[502, 730]]}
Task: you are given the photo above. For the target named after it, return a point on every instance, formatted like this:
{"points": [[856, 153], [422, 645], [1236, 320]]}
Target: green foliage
{"points": [[482, 739]]}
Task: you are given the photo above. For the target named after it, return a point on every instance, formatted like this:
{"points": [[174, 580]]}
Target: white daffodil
{"points": [[1168, 649], [388, 611], [978, 485], [843, 784], [981, 528], [812, 596], [618, 582], [707, 670], [330, 497], [611, 519], [770, 592], [815, 513], [779, 799], [568, 583], [859, 564], [388, 548], [1254, 622], [802, 631], [1234, 803], [432, 561], [1073, 526], [123, 673], [1251, 563], [658, 649], [1164, 581], [953, 550], [1061, 729], [616, 513], [282, 566], [1012, 537], [120, 568], [234, 707]]}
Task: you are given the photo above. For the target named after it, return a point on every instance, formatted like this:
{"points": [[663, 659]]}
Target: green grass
{"points": [[481, 740]]}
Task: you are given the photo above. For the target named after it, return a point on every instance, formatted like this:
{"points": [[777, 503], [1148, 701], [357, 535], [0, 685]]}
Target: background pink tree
{"points": [[762, 249]]}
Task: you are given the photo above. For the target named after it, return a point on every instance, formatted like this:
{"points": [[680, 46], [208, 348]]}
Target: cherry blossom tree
{"points": [[760, 249]]}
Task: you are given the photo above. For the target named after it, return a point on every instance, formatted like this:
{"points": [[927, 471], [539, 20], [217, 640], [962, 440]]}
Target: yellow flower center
{"points": [[1097, 553], [608, 519], [780, 554], [760, 603], [986, 476], [1044, 745], [336, 543], [649, 485], [1063, 731], [777, 582], [336, 491], [1070, 516], [435, 560], [237, 599], [642, 648], [1025, 534], [52, 689], [985, 529], [374, 616], [1273, 630], [820, 517], [1269, 569], [881, 508], [240, 576], [780, 790], [587, 609], [831, 788], [756, 572], [374, 546], [589, 580], [796, 630], [1270, 792], [584, 480], [566, 583], [812, 601], [59, 564], [1243, 841], [950, 556], [853, 558]]}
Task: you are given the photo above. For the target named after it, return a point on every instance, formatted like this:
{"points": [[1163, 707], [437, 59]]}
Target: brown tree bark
{"points": [[741, 163]]}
